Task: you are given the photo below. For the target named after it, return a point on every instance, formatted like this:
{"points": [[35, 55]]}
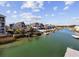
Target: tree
{"points": [[17, 31]]}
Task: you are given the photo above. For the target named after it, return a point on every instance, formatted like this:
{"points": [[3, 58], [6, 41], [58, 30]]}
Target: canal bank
{"points": [[52, 45]]}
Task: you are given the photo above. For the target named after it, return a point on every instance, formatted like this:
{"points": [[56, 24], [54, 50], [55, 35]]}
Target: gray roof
{"points": [[2, 15]]}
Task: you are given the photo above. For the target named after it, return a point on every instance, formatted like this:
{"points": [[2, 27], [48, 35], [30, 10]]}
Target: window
{"points": [[2, 25], [1, 30], [2, 19]]}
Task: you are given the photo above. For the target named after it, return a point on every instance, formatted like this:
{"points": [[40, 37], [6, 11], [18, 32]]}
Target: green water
{"points": [[53, 45]]}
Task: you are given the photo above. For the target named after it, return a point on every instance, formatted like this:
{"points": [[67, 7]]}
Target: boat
{"points": [[76, 36], [46, 33]]}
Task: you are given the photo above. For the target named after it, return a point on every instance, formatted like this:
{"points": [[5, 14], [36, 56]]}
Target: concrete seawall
{"points": [[71, 53]]}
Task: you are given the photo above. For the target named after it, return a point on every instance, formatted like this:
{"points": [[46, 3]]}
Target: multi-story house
{"points": [[2, 24], [20, 25], [38, 25]]}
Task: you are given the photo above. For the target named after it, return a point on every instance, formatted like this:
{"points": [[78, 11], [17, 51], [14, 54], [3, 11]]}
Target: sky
{"points": [[47, 12]]}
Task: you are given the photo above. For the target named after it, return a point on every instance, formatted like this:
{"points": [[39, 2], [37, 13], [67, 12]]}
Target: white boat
{"points": [[46, 33], [76, 36], [42, 30]]}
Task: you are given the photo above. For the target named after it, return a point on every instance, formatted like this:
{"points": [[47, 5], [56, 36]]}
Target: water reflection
{"points": [[1, 51]]}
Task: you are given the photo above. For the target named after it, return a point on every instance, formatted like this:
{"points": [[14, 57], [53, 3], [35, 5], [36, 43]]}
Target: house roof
{"points": [[20, 23], [2, 15]]}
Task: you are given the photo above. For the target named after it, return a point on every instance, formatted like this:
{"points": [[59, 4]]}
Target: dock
{"points": [[71, 53]]}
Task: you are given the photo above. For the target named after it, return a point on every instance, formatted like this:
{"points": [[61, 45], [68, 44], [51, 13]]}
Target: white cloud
{"points": [[14, 12], [2, 3], [34, 5], [55, 8], [7, 5], [36, 10], [52, 15], [46, 15], [8, 11], [65, 8], [69, 2], [75, 19], [29, 17], [27, 5], [14, 16]]}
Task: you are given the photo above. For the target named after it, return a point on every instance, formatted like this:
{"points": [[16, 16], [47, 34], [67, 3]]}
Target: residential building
{"points": [[11, 26], [2, 24], [37, 25], [20, 25], [47, 26]]}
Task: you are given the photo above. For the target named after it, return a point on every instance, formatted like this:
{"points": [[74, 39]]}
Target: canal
{"points": [[52, 45]]}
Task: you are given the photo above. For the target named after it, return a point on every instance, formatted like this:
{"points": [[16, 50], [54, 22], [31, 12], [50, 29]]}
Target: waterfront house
{"points": [[11, 26], [2, 24], [37, 25], [20, 25], [47, 26], [10, 29], [16, 26]]}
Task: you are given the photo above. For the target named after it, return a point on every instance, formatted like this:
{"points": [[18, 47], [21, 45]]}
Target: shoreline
{"points": [[11, 38]]}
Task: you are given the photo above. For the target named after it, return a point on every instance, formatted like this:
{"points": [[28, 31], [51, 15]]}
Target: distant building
{"points": [[47, 26], [37, 25], [11, 26], [20, 25], [2, 24]]}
